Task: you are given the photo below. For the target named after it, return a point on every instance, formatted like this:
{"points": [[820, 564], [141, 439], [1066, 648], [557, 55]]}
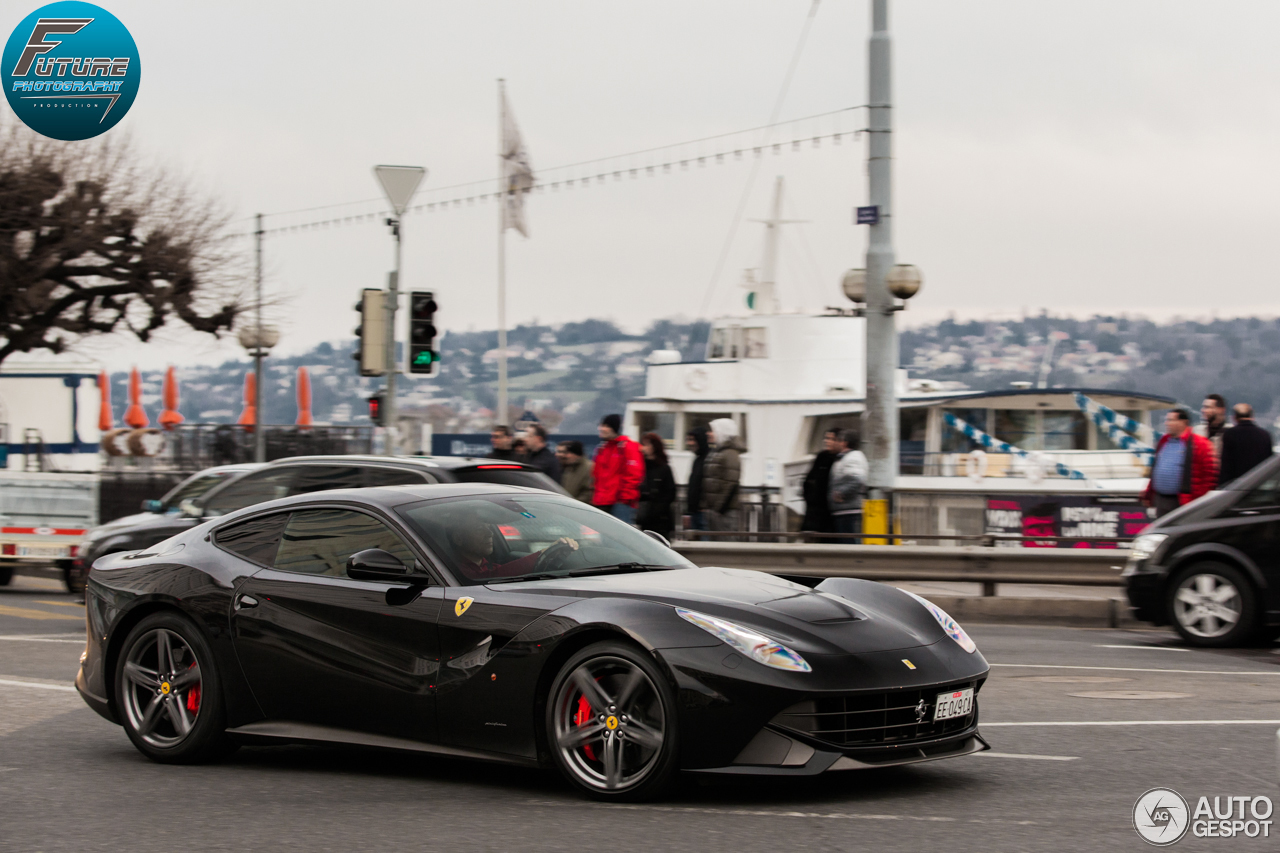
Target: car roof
{"points": [[388, 497], [411, 462]]}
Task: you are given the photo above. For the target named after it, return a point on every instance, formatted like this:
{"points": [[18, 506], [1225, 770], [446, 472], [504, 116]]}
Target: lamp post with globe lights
{"points": [[257, 341]]}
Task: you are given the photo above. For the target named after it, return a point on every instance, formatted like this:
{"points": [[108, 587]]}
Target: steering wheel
{"points": [[554, 557]]}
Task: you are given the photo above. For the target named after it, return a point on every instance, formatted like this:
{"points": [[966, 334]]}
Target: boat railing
{"points": [[1038, 465]]}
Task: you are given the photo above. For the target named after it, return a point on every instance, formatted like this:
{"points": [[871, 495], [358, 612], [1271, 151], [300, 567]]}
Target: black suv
{"points": [[1212, 568], [294, 476]]}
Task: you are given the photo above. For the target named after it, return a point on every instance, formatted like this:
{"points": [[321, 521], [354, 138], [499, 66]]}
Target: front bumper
{"points": [[1146, 593], [824, 760]]}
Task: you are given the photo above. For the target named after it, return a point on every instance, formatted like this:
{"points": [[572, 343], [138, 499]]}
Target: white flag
{"points": [[517, 173]]}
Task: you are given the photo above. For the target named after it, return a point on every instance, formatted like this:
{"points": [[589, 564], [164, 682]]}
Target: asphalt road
{"points": [[71, 781]]}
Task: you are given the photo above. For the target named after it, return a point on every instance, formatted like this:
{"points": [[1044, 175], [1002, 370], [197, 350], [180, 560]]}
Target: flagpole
{"points": [[500, 417]]}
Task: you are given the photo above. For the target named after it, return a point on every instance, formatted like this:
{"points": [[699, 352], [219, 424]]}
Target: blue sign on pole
{"points": [[869, 215]]}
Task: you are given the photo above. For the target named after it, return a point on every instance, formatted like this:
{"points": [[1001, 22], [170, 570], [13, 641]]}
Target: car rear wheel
{"points": [[611, 723], [1213, 605], [169, 692]]}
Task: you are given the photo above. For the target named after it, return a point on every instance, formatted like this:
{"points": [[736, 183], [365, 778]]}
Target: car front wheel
{"points": [[1213, 605], [169, 692]]}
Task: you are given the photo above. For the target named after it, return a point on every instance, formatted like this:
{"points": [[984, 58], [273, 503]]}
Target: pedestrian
{"points": [[695, 441], [1185, 467], [658, 489], [1243, 446], [720, 476], [817, 487], [1213, 416], [848, 484], [538, 454], [575, 470], [501, 441], [619, 469]]}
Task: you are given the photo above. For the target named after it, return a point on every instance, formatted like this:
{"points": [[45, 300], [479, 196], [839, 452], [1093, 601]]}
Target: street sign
{"points": [[399, 183], [869, 215]]}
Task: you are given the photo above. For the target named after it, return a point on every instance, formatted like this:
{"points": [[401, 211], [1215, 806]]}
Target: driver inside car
{"points": [[473, 545]]}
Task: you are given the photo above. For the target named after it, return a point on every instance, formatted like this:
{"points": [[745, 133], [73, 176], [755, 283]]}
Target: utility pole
{"points": [[880, 421], [259, 429], [500, 417]]}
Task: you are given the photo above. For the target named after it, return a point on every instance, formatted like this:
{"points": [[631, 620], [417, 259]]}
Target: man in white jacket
{"points": [[848, 484]]}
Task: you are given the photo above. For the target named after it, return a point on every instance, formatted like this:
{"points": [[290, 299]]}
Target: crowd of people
{"points": [[1192, 461]]}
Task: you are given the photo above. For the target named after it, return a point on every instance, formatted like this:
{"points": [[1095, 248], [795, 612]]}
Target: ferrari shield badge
{"points": [[461, 606], [909, 664]]}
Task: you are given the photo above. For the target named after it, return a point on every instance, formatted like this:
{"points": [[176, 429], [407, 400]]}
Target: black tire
{"points": [[6, 575], [74, 579], [1213, 605], [636, 725], [157, 731]]}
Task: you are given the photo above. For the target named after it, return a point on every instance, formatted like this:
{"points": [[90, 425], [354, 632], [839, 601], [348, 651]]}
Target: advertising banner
{"points": [[1082, 517]]}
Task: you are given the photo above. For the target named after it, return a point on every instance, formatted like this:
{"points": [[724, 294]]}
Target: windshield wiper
{"points": [[618, 567], [544, 576]]}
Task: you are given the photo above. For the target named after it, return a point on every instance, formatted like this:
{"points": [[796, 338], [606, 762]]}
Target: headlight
{"points": [[751, 643], [1146, 545], [949, 625]]}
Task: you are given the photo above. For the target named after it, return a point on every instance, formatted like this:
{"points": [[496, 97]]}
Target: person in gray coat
{"points": [[720, 477], [848, 484]]}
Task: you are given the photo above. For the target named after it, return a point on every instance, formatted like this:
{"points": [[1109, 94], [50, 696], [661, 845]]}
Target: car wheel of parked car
{"points": [[6, 575], [74, 579], [1213, 604], [169, 692], [611, 723]]}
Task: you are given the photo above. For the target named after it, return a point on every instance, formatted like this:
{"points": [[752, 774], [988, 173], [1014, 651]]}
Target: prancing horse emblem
{"points": [[462, 605], [922, 711]]}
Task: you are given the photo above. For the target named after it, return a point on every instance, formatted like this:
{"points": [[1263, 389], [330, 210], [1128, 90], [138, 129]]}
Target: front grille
{"points": [[870, 719]]}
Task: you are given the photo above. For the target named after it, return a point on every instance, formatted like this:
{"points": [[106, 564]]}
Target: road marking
{"points": [[39, 685], [1150, 648], [1029, 756], [775, 813], [1134, 669], [59, 603], [36, 638], [1140, 723], [28, 613]]}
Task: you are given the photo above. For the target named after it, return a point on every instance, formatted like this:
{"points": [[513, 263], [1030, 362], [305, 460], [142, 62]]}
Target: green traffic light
{"points": [[423, 358]]}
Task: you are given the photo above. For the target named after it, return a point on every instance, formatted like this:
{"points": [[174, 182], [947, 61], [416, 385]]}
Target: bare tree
{"points": [[93, 242]]}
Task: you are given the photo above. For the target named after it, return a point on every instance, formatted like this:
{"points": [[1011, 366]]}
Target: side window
{"points": [[319, 541], [1265, 494], [380, 476], [256, 539], [320, 478], [253, 489]]}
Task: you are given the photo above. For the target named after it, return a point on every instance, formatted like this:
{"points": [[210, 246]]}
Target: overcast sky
{"points": [[1077, 156]]}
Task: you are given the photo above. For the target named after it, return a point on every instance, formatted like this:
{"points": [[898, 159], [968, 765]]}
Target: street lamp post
{"points": [[257, 341], [399, 183]]}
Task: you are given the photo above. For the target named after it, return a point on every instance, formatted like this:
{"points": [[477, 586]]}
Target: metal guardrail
{"points": [[985, 539], [963, 564]]}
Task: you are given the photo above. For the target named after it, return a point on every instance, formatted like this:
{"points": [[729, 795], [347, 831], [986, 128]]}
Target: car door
{"points": [[323, 648], [1254, 529]]}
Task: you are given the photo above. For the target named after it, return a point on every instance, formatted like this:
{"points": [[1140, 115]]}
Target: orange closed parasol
{"points": [[106, 418], [134, 416], [249, 416], [170, 417], [304, 398]]}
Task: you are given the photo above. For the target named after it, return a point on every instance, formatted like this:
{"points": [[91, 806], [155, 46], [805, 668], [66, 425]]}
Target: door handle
{"points": [[245, 602]]}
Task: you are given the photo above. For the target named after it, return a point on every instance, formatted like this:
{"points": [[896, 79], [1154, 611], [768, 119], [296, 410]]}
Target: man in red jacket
{"points": [[619, 470], [1185, 466]]}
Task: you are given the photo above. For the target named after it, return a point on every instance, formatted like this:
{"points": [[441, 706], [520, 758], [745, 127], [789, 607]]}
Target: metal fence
{"points": [[193, 447]]}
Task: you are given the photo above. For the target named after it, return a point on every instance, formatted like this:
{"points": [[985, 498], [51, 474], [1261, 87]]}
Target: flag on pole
{"points": [[517, 173]]}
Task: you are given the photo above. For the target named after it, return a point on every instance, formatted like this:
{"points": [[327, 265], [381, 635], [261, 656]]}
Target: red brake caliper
{"points": [[193, 696], [581, 718]]}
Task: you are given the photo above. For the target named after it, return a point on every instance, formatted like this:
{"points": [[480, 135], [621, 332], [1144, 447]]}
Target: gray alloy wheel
{"points": [[162, 688], [610, 724], [1213, 604]]}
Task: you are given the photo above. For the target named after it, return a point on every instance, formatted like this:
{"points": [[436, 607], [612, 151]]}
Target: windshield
{"points": [[484, 539], [194, 487]]}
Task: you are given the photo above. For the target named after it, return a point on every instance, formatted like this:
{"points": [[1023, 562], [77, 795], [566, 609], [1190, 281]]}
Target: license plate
{"points": [[44, 550], [957, 703]]}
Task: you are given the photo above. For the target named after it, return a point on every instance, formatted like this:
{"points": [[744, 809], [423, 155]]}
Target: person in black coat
{"points": [[658, 490], [696, 441], [817, 487], [1244, 446]]}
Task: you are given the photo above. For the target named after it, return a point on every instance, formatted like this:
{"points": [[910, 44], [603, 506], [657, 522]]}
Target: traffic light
{"points": [[424, 358], [372, 332], [375, 409]]}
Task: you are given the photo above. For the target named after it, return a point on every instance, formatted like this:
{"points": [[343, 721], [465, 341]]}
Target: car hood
{"points": [[849, 616]]}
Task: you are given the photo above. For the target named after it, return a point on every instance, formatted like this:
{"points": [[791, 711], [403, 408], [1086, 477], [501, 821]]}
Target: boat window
{"points": [[717, 346], [756, 342], [912, 426], [663, 423], [956, 442], [1066, 431], [703, 419], [825, 423], [1017, 427]]}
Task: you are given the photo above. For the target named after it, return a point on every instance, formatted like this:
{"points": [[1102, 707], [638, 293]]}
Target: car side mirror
{"points": [[153, 506], [653, 534], [375, 564]]}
